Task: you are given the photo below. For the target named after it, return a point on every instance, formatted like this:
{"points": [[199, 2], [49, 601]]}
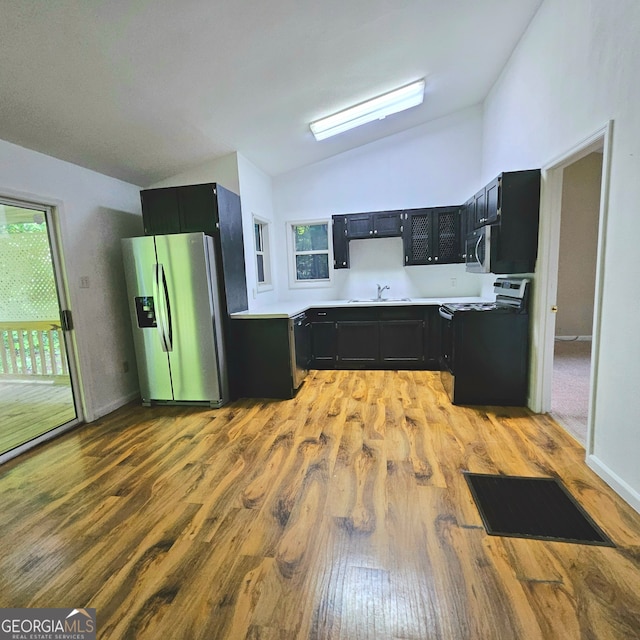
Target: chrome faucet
{"points": [[380, 290]]}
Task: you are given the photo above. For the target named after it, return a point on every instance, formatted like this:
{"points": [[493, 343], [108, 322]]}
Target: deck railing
{"points": [[29, 349]]}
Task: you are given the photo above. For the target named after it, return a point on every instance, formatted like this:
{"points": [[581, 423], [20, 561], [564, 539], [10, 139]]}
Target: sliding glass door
{"points": [[36, 390]]}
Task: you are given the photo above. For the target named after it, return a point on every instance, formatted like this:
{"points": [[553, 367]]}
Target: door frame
{"points": [[545, 294], [52, 211]]}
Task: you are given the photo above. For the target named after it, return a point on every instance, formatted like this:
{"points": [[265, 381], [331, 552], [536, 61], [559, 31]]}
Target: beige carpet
{"points": [[570, 393]]}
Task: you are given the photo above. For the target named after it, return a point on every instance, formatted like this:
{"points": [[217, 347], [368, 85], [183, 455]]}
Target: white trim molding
{"points": [[625, 491], [545, 293]]}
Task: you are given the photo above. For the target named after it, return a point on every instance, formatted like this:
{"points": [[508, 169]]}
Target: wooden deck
{"points": [[29, 409], [340, 514]]}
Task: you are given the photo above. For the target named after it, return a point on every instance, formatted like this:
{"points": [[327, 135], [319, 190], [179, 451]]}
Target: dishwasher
{"points": [[299, 347]]}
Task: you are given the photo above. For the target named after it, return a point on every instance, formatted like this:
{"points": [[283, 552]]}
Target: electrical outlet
{"points": [[84, 282], [453, 282]]}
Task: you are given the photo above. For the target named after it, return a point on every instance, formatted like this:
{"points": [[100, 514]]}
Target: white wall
{"points": [[94, 213], [222, 170], [575, 69], [256, 194], [237, 174], [436, 164]]}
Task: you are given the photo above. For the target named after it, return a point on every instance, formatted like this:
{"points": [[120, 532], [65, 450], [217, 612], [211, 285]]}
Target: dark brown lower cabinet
{"points": [[379, 337], [357, 343], [271, 354], [402, 342], [323, 344]]}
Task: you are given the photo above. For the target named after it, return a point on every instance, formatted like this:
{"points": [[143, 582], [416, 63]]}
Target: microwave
{"points": [[478, 250]]}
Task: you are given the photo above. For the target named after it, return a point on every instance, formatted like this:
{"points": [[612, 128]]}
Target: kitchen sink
{"points": [[380, 300]]}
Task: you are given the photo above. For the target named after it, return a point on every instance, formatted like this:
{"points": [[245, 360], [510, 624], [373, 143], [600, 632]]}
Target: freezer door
{"points": [[139, 256], [189, 293]]}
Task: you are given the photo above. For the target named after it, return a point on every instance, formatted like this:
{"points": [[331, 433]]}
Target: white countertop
{"points": [[290, 309]]}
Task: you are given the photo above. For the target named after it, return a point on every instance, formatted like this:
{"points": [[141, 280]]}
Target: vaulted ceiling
{"points": [[143, 89]]}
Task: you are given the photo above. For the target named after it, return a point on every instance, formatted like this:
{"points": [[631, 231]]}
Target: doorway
{"points": [[578, 244], [37, 397], [567, 299]]}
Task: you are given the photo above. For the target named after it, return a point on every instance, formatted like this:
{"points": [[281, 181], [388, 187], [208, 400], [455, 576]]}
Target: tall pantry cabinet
{"points": [[215, 211]]}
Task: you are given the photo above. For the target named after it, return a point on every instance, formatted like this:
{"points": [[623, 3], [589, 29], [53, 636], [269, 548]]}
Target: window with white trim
{"points": [[310, 249], [263, 255]]}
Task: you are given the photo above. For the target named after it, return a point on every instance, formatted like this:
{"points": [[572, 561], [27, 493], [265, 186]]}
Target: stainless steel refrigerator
{"points": [[176, 317]]}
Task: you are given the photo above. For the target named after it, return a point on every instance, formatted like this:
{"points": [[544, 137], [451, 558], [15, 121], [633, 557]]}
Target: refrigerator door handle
{"points": [[163, 310], [167, 308]]}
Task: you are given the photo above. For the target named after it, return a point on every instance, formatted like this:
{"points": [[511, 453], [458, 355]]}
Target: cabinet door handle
{"points": [[322, 313]]}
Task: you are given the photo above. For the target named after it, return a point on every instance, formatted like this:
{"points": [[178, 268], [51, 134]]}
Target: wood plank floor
{"points": [[29, 409], [340, 514]]}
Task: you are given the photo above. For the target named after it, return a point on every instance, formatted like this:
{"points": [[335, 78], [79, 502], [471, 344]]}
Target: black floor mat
{"points": [[539, 508]]}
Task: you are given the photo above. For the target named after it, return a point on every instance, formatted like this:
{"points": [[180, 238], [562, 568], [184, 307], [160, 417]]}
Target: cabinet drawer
{"points": [[400, 313]]}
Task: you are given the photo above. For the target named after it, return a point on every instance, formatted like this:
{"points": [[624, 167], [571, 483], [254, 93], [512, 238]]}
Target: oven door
{"points": [[478, 250]]}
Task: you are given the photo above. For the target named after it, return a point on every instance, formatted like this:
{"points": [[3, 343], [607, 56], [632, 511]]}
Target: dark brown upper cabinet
{"points": [[376, 224], [340, 242], [213, 210], [432, 236]]}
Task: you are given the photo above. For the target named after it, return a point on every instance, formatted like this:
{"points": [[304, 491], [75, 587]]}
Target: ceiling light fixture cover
{"points": [[377, 108]]}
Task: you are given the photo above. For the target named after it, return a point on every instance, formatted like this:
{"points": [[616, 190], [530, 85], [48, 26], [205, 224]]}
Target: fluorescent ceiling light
{"points": [[377, 108]]}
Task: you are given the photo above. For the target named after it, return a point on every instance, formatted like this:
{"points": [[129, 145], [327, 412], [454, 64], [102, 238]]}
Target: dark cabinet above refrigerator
{"points": [[213, 210], [182, 209]]}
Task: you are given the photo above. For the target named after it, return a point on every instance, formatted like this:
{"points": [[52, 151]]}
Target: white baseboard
{"points": [[573, 338], [627, 493], [112, 406]]}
